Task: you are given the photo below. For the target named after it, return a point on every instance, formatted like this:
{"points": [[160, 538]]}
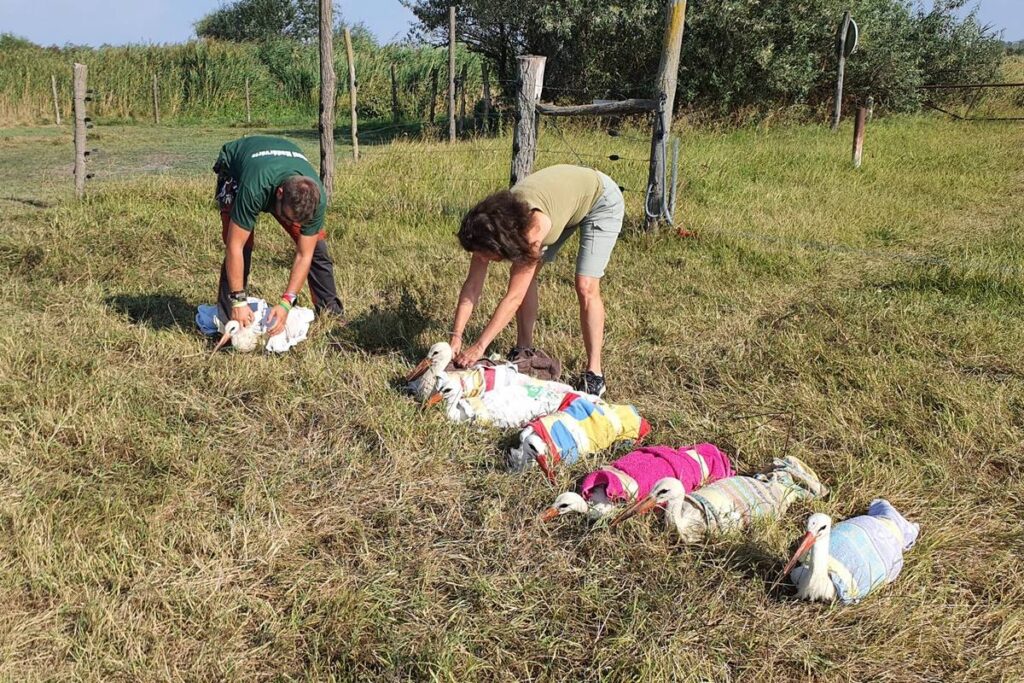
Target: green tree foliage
{"points": [[736, 53], [259, 20]]}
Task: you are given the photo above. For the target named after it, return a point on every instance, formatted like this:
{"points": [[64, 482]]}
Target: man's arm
{"points": [[300, 271], [468, 298], [234, 266]]}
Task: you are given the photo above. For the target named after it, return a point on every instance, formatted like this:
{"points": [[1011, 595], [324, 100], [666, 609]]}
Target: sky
{"points": [[94, 22]]}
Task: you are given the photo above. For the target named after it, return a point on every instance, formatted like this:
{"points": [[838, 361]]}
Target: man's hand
{"points": [[276, 320], [243, 315], [469, 357]]}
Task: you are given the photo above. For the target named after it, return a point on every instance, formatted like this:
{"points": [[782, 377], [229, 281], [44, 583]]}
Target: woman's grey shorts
{"points": [[599, 232]]}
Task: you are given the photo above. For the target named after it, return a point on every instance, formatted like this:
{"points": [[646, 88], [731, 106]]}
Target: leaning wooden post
{"points": [[396, 115], [524, 141], [433, 95], [837, 110], [81, 73], [859, 130], [665, 92], [353, 87], [156, 101], [487, 96], [328, 89], [248, 103], [451, 73], [56, 102]]}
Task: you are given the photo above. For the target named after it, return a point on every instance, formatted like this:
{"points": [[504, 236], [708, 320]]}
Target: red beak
{"points": [[220, 345], [418, 370], [549, 514], [642, 506], [434, 399], [806, 543]]}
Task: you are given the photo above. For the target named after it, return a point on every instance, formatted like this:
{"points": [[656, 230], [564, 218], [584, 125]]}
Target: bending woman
{"points": [[527, 226]]}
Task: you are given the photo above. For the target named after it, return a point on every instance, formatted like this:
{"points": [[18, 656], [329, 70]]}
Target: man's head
{"points": [[497, 227], [298, 199]]}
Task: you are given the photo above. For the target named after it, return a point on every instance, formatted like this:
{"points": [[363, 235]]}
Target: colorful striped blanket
{"points": [[512, 406], [634, 475], [481, 379], [584, 425], [734, 502], [866, 552]]}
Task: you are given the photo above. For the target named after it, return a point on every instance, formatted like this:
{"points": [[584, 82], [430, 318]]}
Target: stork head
{"points": [[818, 527], [438, 357], [664, 492], [242, 339], [564, 504], [447, 391]]}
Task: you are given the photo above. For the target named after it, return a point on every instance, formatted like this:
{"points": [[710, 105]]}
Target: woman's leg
{"points": [[526, 316], [588, 290]]}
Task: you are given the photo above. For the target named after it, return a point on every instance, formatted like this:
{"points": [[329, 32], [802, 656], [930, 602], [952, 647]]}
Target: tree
{"points": [[261, 20]]}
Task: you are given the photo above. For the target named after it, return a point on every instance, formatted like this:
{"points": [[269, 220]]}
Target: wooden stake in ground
{"points": [[665, 92], [81, 74], [524, 141], [486, 74], [859, 131], [451, 73], [463, 79], [844, 27], [56, 102], [328, 89], [248, 103], [352, 88], [433, 96], [396, 114], [156, 100]]}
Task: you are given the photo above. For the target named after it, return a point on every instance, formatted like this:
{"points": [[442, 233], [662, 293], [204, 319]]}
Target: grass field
{"points": [[167, 516]]}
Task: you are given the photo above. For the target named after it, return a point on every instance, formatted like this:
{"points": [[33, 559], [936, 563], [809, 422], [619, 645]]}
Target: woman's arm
{"points": [[519, 280], [468, 298]]}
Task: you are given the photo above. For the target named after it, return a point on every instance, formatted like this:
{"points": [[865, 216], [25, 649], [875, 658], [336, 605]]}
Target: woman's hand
{"points": [[470, 356], [456, 344]]}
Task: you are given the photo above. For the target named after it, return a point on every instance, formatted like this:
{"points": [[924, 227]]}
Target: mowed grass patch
{"points": [[169, 515]]}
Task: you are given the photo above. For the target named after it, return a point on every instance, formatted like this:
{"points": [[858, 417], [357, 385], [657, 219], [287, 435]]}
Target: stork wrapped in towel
{"points": [[634, 475], [247, 339], [732, 503], [854, 558], [583, 425], [507, 407], [423, 381]]}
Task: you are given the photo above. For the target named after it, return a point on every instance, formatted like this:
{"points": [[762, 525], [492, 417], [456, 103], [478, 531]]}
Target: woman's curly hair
{"points": [[498, 225]]}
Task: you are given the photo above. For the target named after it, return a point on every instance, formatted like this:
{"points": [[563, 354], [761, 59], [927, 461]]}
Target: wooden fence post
{"points": [[463, 80], [524, 142], [837, 110], [433, 95], [56, 102], [486, 74], [859, 131], [665, 92], [396, 114], [328, 90], [353, 87], [248, 103], [156, 101], [81, 74], [451, 72]]}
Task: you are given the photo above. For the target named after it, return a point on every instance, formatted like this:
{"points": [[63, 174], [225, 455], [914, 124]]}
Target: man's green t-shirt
{"points": [[259, 164]]}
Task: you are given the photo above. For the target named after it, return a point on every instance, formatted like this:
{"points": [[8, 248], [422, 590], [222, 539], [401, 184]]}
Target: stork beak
{"points": [[549, 514], [434, 399], [220, 345], [806, 543], [418, 371], [642, 506]]}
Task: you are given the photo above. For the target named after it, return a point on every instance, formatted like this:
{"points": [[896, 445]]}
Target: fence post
{"points": [[328, 90], [156, 101], [396, 114], [463, 80], [524, 141], [451, 72], [844, 27], [56, 102], [81, 74], [668, 70], [353, 87], [433, 95], [248, 103], [871, 107], [487, 96], [859, 131]]}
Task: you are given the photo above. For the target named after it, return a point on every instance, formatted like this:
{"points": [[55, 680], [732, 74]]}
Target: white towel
{"points": [[296, 327]]}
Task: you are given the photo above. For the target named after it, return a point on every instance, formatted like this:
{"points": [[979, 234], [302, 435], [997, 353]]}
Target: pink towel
{"points": [[650, 464]]}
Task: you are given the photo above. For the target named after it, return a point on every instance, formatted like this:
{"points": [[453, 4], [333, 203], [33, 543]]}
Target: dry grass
{"points": [[169, 517]]}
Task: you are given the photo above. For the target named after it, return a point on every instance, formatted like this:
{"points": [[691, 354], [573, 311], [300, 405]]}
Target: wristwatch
{"points": [[239, 296]]}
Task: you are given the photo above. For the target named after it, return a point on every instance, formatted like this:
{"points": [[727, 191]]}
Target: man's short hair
{"points": [[302, 197]]}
